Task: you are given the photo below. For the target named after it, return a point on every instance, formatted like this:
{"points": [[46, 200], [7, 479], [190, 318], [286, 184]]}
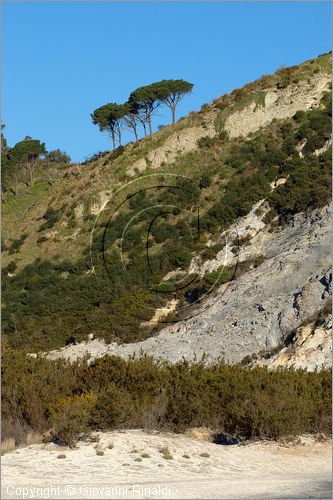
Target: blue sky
{"points": [[61, 60]]}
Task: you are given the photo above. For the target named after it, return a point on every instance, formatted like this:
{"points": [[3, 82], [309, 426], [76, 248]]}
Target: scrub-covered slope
{"points": [[217, 225]]}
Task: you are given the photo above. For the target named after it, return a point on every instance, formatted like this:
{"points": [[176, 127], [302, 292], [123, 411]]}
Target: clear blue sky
{"points": [[61, 60]]}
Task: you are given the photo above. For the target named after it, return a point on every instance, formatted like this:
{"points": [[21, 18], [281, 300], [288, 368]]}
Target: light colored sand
{"points": [[260, 470]]}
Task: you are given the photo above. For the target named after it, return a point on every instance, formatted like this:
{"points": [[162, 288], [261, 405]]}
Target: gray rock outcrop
{"points": [[253, 313]]}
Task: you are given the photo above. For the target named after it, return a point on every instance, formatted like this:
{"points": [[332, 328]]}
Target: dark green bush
{"points": [[308, 186], [205, 142], [51, 217], [16, 244], [12, 266], [162, 232], [205, 180], [115, 407], [181, 258], [70, 418], [41, 240]]}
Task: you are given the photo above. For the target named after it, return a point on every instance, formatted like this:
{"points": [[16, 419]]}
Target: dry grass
{"points": [[15, 434], [7, 445], [34, 438], [200, 433], [95, 438], [47, 436], [13, 429], [165, 452]]}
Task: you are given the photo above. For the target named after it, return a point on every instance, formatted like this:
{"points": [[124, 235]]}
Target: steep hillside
{"points": [[82, 190], [204, 226], [256, 313]]}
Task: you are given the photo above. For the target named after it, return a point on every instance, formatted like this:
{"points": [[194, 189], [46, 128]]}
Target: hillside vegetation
{"points": [[69, 273], [75, 399], [101, 247]]}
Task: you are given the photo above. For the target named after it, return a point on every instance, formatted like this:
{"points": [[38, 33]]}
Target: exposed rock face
{"points": [[279, 104], [232, 252], [179, 143], [256, 311], [311, 349]]}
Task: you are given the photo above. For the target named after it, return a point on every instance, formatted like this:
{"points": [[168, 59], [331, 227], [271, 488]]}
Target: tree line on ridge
{"points": [[139, 108]]}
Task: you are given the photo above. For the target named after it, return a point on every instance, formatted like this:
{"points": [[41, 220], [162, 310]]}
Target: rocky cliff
{"points": [[255, 313]]}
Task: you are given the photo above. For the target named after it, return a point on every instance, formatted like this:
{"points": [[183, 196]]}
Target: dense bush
{"points": [[205, 142], [308, 186], [239, 199], [162, 232], [112, 393], [51, 217], [16, 244], [70, 417], [315, 125], [11, 268]]}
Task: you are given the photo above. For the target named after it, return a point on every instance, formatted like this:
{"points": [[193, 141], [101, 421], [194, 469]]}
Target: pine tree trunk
{"points": [[31, 177], [173, 112], [144, 129], [135, 133], [150, 127]]}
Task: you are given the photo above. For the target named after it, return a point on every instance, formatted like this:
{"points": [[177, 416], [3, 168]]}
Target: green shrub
{"points": [[12, 266], [113, 407], [205, 180], [162, 232], [307, 187], [205, 142], [182, 258], [70, 417], [41, 240], [51, 217], [79, 398], [16, 244]]}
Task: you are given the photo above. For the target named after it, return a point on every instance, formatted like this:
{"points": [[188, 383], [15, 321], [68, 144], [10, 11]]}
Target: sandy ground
{"points": [[258, 470]]}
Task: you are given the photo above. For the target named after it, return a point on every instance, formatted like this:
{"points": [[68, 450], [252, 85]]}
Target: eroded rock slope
{"points": [[254, 313]]}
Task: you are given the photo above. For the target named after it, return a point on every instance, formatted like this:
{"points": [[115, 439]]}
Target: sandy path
{"points": [[252, 471]]}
